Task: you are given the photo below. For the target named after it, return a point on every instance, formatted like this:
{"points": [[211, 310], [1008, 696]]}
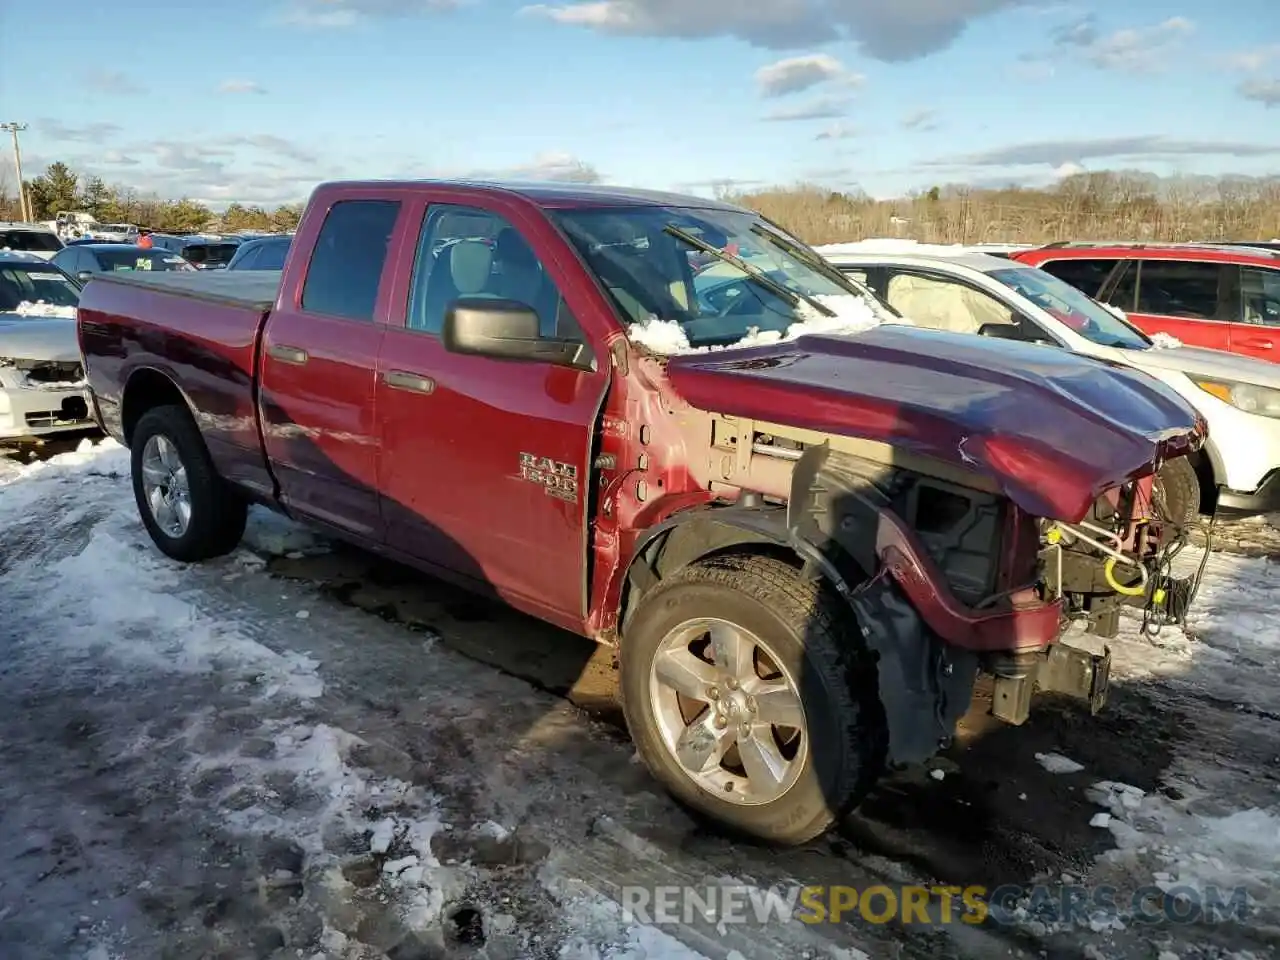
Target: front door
{"points": [[1185, 299], [487, 462], [319, 356]]}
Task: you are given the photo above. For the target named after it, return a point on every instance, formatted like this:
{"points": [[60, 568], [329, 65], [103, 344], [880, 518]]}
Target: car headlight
{"points": [[1248, 397]]}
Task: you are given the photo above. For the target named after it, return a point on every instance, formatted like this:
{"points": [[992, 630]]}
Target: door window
{"points": [[468, 252], [945, 304], [346, 266], [1260, 295], [1179, 288], [1086, 274]]}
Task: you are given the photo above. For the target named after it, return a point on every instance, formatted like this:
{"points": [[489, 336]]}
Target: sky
{"points": [[257, 102]]}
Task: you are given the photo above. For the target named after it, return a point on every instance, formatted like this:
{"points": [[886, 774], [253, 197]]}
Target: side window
{"points": [[1124, 291], [250, 260], [1085, 274], [468, 252], [1260, 295], [945, 304], [1179, 288], [270, 256], [346, 265]]}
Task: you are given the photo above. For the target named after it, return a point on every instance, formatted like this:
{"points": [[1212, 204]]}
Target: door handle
{"points": [[1258, 343], [287, 354], [403, 380]]}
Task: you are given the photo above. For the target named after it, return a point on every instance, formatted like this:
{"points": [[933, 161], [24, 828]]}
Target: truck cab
{"points": [[804, 525]]}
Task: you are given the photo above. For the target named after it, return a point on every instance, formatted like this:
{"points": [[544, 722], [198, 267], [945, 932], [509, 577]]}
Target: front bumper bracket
{"points": [[1079, 674]]}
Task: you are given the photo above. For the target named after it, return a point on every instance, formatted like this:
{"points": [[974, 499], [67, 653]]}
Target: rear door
{"points": [[1186, 299], [319, 358], [486, 462], [1257, 308]]}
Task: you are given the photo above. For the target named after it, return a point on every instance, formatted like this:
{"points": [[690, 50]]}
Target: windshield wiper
{"points": [[792, 297]]}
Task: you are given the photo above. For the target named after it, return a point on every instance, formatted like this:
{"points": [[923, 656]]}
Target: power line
{"points": [[14, 128]]}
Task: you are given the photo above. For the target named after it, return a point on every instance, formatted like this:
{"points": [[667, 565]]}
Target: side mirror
{"points": [[84, 275], [1009, 331], [503, 330]]}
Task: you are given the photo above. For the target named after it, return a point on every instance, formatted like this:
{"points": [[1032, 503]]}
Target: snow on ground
{"points": [[252, 761], [334, 785]]}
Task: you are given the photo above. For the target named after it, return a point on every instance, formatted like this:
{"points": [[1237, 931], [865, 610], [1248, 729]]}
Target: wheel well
{"points": [[1203, 466], [146, 390], [700, 538]]}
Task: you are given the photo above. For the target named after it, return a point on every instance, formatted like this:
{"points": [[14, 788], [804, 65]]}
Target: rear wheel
{"points": [[749, 696], [188, 509]]}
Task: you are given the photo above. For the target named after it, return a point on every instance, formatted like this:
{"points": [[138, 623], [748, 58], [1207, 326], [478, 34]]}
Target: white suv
{"points": [[957, 288], [33, 239]]}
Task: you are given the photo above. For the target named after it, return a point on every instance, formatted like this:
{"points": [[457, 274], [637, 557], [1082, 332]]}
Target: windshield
{"points": [[29, 240], [31, 284], [210, 253], [665, 269], [1074, 308], [140, 259]]}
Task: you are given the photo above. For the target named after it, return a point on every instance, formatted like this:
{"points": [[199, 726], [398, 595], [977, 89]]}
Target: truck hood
{"points": [[51, 339], [1201, 362], [1054, 429]]}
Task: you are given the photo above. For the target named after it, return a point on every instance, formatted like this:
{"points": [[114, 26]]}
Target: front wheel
{"points": [[1176, 494], [749, 695], [188, 509]]}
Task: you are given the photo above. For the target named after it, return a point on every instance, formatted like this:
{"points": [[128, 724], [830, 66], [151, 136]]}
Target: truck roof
{"points": [[552, 195]]}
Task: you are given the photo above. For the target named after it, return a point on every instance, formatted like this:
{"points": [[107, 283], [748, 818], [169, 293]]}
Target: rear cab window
{"points": [[29, 241], [345, 272]]}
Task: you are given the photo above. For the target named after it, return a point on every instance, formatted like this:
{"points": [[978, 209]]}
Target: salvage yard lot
{"points": [[303, 752]]}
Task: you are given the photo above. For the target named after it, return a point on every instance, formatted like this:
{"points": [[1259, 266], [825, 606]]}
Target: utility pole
{"points": [[15, 128]]}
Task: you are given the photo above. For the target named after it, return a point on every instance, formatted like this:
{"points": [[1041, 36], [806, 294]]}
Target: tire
{"points": [[217, 514], [813, 637], [1177, 493]]}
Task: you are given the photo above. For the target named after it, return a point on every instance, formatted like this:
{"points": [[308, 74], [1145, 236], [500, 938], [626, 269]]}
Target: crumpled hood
{"points": [[52, 338], [1054, 429], [1202, 362]]}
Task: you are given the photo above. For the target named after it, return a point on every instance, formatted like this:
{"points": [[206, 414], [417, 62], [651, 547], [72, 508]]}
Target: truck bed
{"points": [[241, 288]]}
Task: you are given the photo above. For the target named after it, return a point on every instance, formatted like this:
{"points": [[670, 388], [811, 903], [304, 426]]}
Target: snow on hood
{"points": [[51, 339], [41, 309], [853, 314]]}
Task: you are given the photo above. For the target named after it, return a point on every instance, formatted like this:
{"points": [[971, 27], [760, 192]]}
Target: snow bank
{"points": [[853, 314], [41, 309]]}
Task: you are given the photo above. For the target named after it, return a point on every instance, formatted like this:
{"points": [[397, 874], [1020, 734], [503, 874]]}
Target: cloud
{"points": [[796, 74], [895, 31], [112, 82], [1265, 92], [922, 120], [555, 167], [1134, 50], [85, 133], [838, 131], [1251, 61], [341, 14], [822, 108], [240, 86], [1056, 153]]}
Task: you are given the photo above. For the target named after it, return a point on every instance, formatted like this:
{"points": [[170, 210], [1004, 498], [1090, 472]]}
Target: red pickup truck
{"points": [[806, 525]]}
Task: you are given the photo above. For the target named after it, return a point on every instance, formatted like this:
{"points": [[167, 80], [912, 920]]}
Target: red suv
{"points": [[1224, 297]]}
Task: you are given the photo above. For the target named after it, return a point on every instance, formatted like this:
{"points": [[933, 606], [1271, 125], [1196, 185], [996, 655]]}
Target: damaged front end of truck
{"points": [[969, 500]]}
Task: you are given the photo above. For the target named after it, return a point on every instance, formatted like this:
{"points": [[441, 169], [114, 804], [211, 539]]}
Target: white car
{"points": [[957, 288], [42, 385], [30, 238]]}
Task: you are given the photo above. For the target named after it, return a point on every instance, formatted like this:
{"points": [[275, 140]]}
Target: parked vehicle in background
{"points": [[84, 260], [29, 238], [1273, 245], [202, 252], [804, 550], [264, 253], [951, 288], [113, 232], [42, 388], [1220, 297]]}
